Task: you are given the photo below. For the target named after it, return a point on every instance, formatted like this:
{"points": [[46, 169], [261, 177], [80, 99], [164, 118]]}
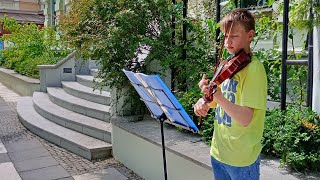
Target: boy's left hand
{"points": [[203, 82]]}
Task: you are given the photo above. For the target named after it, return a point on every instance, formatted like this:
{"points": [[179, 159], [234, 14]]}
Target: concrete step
{"points": [[80, 144], [87, 93], [69, 119], [94, 64], [87, 80], [81, 106], [94, 72]]}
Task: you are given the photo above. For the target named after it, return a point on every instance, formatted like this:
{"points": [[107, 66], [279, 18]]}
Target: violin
{"points": [[226, 70]]}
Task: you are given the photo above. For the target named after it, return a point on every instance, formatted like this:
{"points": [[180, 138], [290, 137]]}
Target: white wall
{"points": [[145, 159]]}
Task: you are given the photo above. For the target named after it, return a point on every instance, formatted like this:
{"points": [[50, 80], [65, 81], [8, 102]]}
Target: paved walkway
{"points": [[26, 156]]}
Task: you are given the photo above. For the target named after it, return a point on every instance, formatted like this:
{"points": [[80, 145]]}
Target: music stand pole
{"points": [[162, 118], [162, 104]]}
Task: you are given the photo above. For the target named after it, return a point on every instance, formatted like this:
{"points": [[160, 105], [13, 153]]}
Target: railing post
{"points": [[284, 54]]}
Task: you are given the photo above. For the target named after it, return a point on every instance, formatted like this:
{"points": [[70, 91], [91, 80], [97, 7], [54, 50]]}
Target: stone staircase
{"points": [[72, 116]]}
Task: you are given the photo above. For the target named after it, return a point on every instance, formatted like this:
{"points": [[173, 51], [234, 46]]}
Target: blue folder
{"points": [[159, 99]]}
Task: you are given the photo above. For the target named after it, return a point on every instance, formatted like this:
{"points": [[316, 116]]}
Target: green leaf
{"points": [[211, 25], [270, 2]]}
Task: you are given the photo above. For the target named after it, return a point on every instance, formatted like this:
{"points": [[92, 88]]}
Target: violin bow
{"points": [[221, 50]]}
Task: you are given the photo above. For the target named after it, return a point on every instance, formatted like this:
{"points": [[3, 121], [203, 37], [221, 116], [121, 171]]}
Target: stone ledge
{"points": [[138, 146], [59, 63], [21, 84], [19, 76], [184, 144]]}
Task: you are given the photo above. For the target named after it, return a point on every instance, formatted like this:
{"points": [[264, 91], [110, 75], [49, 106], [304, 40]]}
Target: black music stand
{"points": [[161, 103]]}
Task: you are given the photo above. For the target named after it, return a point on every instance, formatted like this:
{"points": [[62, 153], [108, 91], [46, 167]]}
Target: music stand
{"points": [[162, 105]]}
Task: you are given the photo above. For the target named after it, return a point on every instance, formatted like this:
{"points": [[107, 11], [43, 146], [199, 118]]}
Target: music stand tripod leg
{"points": [[162, 118]]}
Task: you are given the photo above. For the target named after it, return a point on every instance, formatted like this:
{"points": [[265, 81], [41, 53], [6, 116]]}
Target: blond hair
{"points": [[240, 17]]}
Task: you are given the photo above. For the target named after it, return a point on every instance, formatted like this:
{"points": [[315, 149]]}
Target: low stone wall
{"points": [[138, 146], [52, 75], [22, 85]]}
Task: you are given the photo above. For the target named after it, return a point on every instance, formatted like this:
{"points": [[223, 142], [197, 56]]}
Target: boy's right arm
{"points": [[201, 108], [213, 104]]}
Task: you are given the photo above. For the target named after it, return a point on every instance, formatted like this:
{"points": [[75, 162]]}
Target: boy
{"points": [[240, 104]]}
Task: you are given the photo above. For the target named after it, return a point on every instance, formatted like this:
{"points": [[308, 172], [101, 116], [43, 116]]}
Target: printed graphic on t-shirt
{"points": [[229, 89]]}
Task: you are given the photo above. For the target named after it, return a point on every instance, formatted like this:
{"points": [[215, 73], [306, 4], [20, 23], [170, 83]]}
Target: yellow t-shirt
{"points": [[232, 143]]}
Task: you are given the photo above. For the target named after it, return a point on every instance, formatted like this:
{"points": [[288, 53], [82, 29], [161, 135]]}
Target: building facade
{"points": [[53, 9], [23, 11], [25, 5]]}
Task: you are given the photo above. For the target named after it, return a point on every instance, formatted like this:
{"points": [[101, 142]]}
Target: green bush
{"points": [[294, 136], [30, 46], [114, 31], [2, 58], [188, 99]]}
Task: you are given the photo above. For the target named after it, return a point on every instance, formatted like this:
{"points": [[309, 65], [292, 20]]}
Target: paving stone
{"points": [[52, 172], [11, 129], [2, 148], [23, 145], [5, 109], [8, 171], [106, 174], [68, 178], [28, 154], [15, 136], [4, 158], [36, 163]]}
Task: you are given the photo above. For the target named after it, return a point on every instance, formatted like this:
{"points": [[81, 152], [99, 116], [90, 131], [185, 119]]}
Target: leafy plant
{"points": [[116, 33], [300, 16], [30, 46], [188, 99], [294, 136]]}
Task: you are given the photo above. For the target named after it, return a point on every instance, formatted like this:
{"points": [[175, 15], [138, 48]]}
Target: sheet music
{"points": [[145, 95], [152, 89], [146, 83]]}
